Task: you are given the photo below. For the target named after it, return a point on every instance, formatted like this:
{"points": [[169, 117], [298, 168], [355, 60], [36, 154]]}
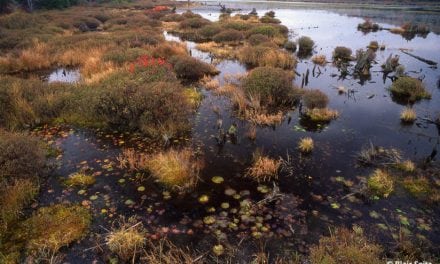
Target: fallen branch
{"points": [[429, 62]]}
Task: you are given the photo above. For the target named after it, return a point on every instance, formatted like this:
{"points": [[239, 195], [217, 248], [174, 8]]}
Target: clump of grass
{"points": [[263, 168], [421, 188], [209, 31], [410, 89], [252, 133], [314, 98], [408, 115], [306, 145], [368, 25], [80, 179], [193, 96], [319, 59], [265, 119], [53, 227], [374, 45], [257, 39], [380, 183], [167, 253], [127, 240], [190, 68], [175, 169], [346, 246], [305, 45], [342, 53], [259, 56], [210, 83], [406, 166], [321, 114], [194, 23]]}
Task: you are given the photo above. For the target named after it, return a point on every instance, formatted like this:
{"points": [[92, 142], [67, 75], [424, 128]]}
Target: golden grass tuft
{"points": [[306, 145], [263, 168], [252, 133], [322, 114], [127, 240], [265, 119], [346, 246], [133, 161], [319, 59], [220, 51], [209, 83], [406, 166], [80, 179], [53, 227], [175, 169], [408, 115], [167, 253], [193, 96], [380, 183], [266, 56]]}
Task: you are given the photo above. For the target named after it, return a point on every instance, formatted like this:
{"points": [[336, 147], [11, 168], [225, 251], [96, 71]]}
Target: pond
{"points": [[315, 196]]}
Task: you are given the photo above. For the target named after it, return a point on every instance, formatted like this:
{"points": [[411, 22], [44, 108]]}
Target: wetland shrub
{"points": [[257, 39], [269, 20], [305, 45], [410, 89], [237, 25], [210, 31], [290, 46], [321, 114], [270, 85], [314, 98], [190, 68], [342, 53], [230, 35], [345, 246], [194, 23], [269, 31]]}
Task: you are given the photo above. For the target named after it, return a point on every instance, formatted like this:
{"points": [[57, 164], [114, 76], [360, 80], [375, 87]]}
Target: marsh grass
{"points": [[408, 115], [165, 252], [342, 53], [406, 166], [346, 246], [319, 60], [306, 145], [314, 98], [378, 156], [305, 45], [380, 183], [127, 240], [210, 83], [175, 169], [259, 56], [263, 168], [321, 114], [265, 119]]}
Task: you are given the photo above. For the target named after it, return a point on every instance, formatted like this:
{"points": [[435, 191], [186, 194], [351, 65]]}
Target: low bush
{"points": [[290, 46], [269, 31], [380, 183], [342, 53], [190, 68], [305, 45], [194, 23], [230, 35], [270, 85], [175, 169], [210, 31], [410, 89], [269, 20], [346, 246], [257, 39], [236, 25], [314, 98], [173, 18]]}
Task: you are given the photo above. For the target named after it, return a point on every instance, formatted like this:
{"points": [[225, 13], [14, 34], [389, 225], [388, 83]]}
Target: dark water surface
{"points": [[314, 197]]}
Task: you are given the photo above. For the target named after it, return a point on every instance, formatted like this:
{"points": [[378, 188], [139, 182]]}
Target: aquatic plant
{"points": [[368, 25], [410, 89], [305, 45], [376, 155], [364, 59], [346, 246], [422, 188], [165, 252], [272, 86], [321, 114], [314, 98], [263, 168], [175, 169], [342, 53], [306, 145], [190, 68], [193, 96], [264, 119], [260, 56], [54, 227], [374, 45], [319, 59], [127, 239], [408, 115], [79, 179], [380, 183]]}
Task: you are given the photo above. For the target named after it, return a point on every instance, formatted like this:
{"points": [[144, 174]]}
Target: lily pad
{"points": [[129, 202], [263, 189], [141, 188], [93, 197], [209, 220], [225, 205], [230, 192], [81, 192], [217, 179], [121, 181], [204, 199], [218, 250]]}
